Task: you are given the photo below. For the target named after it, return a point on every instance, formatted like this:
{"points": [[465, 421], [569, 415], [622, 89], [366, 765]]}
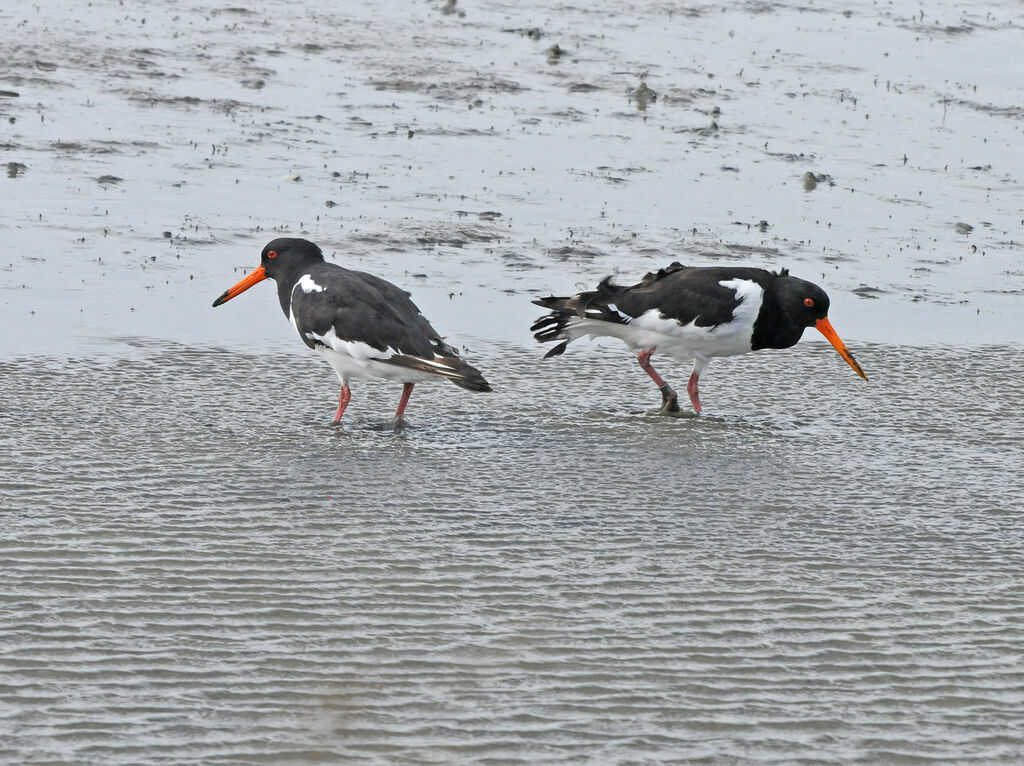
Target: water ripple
{"points": [[519, 578]]}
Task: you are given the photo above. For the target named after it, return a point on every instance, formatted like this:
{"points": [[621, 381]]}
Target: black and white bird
{"points": [[364, 326], [693, 313]]}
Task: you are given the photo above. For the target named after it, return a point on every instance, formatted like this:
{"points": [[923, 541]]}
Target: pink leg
{"points": [[669, 400], [406, 393], [691, 389], [343, 397], [644, 357], [691, 385]]}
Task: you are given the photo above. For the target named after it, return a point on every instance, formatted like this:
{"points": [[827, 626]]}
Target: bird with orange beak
{"points": [[693, 313], [364, 326]]}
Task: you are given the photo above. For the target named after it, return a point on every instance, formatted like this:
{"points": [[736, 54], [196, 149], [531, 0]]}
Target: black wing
{"points": [[362, 308], [685, 294]]}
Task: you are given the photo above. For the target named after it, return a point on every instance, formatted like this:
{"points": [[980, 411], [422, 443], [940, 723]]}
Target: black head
{"points": [[281, 258], [286, 254], [803, 304]]}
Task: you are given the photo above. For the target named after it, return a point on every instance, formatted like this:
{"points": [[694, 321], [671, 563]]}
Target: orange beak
{"points": [[256, 276], [825, 328]]}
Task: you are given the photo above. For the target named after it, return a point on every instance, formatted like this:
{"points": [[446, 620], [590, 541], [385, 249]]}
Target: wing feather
{"points": [[363, 309]]}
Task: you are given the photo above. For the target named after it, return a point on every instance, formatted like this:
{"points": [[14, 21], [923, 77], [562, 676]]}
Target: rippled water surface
{"points": [[198, 567]]}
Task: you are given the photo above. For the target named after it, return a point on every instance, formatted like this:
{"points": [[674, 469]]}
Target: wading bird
{"points": [[693, 313], [364, 326]]}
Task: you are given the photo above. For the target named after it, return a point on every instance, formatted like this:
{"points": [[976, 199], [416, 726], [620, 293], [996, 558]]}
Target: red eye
{"points": [[273, 254], [807, 301]]}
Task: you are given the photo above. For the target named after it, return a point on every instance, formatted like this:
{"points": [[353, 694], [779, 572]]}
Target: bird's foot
{"points": [[669, 400], [395, 425], [670, 405], [399, 423]]}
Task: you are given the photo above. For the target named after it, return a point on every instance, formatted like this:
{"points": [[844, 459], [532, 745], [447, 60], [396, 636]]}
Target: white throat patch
{"points": [[308, 285]]}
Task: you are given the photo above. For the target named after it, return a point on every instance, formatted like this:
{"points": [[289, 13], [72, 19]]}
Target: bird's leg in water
{"points": [[691, 389], [399, 421], [669, 400], [343, 397], [691, 384]]}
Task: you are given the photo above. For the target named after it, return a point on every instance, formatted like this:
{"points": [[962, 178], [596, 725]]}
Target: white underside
{"points": [[353, 359], [683, 342], [348, 367]]}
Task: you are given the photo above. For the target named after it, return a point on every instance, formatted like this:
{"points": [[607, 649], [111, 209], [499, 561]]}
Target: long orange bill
{"points": [[825, 328], [256, 276]]}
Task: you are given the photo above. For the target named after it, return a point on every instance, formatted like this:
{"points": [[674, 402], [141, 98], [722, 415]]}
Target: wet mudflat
{"points": [[198, 567], [154, 148]]}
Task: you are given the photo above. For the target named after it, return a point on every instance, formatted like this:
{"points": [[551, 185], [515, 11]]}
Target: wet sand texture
{"points": [[452, 153]]}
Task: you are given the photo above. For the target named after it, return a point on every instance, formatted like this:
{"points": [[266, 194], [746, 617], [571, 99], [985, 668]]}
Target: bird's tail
{"points": [[451, 368], [566, 311], [552, 326]]}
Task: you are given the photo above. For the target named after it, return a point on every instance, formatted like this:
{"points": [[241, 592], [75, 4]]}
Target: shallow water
{"points": [[200, 568]]}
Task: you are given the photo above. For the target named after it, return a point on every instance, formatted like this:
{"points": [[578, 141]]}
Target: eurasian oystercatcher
{"points": [[693, 313], [364, 326]]}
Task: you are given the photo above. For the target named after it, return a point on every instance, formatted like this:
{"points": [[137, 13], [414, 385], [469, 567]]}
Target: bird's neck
{"points": [[773, 329], [287, 278]]}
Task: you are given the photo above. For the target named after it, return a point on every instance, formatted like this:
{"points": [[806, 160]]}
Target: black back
{"points": [[696, 295], [684, 293], [359, 307]]}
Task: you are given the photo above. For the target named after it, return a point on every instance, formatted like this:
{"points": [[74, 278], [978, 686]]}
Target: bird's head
{"points": [[806, 305], [282, 256]]}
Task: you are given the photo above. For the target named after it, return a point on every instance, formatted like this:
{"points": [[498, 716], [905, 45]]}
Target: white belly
{"points": [[348, 367], [683, 342]]}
